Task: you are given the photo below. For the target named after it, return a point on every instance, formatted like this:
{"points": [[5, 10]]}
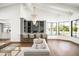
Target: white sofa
{"points": [[37, 52]]}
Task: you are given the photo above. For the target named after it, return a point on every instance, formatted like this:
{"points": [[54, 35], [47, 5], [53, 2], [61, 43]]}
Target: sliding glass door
{"points": [[75, 28], [78, 28], [64, 28], [52, 28]]}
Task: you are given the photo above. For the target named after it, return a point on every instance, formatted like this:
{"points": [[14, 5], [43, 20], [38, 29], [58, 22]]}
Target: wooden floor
{"points": [[4, 42], [63, 48], [59, 47], [24, 44]]}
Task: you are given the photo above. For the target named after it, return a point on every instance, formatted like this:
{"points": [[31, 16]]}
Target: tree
{"points": [[75, 28], [65, 28], [60, 27]]}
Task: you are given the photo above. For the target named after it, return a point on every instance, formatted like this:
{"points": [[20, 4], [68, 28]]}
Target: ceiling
{"points": [[57, 8], [5, 4], [51, 8]]}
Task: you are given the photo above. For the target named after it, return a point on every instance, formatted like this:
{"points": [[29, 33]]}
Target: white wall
{"points": [[24, 12], [12, 15]]}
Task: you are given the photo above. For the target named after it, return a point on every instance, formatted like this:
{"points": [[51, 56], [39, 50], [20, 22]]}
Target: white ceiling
{"points": [[50, 8], [58, 8], [6, 4]]}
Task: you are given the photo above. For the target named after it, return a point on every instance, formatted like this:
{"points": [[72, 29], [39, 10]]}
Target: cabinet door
{"points": [[25, 26], [35, 28], [41, 26], [29, 26]]}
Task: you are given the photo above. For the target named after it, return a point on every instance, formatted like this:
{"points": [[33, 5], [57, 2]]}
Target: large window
{"points": [[64, 28], [75, 28], [49, 28], [78, 28], [52, 28]]}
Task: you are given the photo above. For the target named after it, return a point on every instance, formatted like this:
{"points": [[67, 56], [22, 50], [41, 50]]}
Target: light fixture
{"points": [[34, 16]]}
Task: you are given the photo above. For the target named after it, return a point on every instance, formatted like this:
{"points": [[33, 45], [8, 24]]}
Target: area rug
{"points": [[13, 53]]}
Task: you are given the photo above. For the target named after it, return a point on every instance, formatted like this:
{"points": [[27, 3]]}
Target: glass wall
{"points": [[75, 28], [78, 28], [49, 28], [52, 28], [64, 28]]}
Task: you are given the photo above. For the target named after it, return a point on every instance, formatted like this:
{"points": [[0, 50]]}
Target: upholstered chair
{"points": [[25, 35], [44, 36], [38, 35], [31, 35]]}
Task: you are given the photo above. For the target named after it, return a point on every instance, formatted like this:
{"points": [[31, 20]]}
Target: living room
{"points": [[25, 26]]}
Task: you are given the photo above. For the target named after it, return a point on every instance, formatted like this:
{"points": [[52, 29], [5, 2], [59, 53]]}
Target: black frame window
{"points": [[75, 28]]}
